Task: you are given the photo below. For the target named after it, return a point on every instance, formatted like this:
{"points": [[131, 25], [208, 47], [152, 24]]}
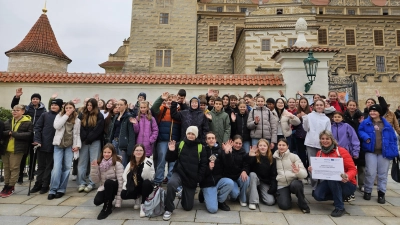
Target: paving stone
{"points": [[389, 220], [393, 200], [73, 191], [83, 212], [147, 222], [275, 208], [355, 210], [262, 218], [321, 209], [77, 201], [373, 201], [180, 215], [393, 185], [14, 209], [16, 220], [191, 223], [15, 199], [42, 200], [294, 219], [392, 193], [100, 222], [203, 216], [51, 221], [48, 211], [364, 220], [125, 214], [395, 210]]}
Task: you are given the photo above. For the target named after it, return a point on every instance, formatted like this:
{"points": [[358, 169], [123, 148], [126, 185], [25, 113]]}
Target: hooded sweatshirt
{"points": [[314, 123]]}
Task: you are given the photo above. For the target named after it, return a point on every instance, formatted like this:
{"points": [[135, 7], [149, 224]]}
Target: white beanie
{"points": [[194, 130]]}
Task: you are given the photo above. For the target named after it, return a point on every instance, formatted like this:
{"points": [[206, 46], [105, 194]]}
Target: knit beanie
{"points": [[142, 94], [36, 95], [58, 102], [377, 108], [194, 130]]}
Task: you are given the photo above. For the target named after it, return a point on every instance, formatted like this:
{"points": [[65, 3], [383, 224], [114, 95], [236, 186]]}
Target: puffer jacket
{"points": [[240, 126], [235, 163], [391, 118], [366, 131], [267, 127], [285, 122], [353, 120], [145, 171], [44, 131], [146, 132], [59, 125], [211, 177], [347, 138], [220, 125], [314, 123], [168, 128], [300, 132], [113, 173], [30, 110], [22, 136], [284, 168], [126, 138], [91, 134]]}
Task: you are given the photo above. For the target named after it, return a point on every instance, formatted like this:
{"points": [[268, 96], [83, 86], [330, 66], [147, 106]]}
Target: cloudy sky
{"points": [[86, 30]]}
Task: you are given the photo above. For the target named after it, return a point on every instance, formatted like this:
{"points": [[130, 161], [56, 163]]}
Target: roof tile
{"points": [[314, 49]]}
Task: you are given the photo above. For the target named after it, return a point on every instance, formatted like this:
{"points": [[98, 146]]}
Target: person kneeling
{"points": [[138, 177], [331, 189], [108, 172]]}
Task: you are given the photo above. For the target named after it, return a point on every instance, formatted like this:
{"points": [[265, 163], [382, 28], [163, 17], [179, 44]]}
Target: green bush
{"points": [[5, 114]]}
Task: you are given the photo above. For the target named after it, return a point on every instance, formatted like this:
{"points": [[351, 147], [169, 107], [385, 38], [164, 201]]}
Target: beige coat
{"points": [[59, 123], [113, 173], [391, 118], [284, 168], [286, 122]]}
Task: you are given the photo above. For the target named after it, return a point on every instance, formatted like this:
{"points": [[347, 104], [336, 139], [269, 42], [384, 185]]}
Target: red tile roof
{"points": [[195, 79], [112, 64], [296, 49], [41, 39]]}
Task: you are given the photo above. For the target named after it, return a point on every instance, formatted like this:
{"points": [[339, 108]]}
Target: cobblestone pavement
{"points": [[78, 208]]}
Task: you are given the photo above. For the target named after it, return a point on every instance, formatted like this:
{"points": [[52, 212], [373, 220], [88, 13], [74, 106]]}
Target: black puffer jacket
{"points": [[90, 134], [240, 126], [190, 168], [235, 163], [265, 171], [212, 177], [126, 139], [22, 137], [353, 121], [33, 112], [44, 131]]}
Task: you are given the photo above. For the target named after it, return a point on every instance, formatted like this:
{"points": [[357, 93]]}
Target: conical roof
{"points": [[40, 39]]}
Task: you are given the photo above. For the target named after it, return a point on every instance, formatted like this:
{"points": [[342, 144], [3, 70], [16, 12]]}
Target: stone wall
{"points": [[239, 55], [33, 62]]}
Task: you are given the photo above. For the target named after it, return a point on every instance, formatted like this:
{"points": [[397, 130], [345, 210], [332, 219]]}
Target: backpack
{"points": [[154, 204], [199, 148], [269, 121]]}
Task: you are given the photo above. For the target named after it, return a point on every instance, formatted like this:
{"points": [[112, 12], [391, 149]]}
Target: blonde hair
{"points": [[148, 113], [329, 135], [19, 106], [269, 153]]}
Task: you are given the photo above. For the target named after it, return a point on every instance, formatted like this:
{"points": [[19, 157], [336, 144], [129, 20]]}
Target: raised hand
{"points": [[280, 93], [257, 119], [171, 145], [300, 93], [131, 106], [18, 92], [209, 116], [216, 93], [233, 117], [295, 169], [133, 120], [253, 150], [258, 90], [377, 93], [96, 96], [227, 147], [54, 96], [174, 98], [165, 95], [75, 100]]}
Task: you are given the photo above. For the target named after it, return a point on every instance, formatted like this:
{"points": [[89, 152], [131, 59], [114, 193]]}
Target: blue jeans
{"points": [[334, 190], [62, 166], [376, 165], [161, 149], [218, 193], [240, 189], [121, 153], [87, 154], [246, 146]]}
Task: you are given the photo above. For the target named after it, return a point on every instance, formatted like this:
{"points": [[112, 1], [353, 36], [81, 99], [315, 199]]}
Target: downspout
{"points": [[197, 31]]}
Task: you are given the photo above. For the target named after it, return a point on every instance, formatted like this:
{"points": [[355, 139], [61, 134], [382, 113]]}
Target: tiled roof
{"points": [[41, 39], [296, 49], [195, 79], [112, 64]]}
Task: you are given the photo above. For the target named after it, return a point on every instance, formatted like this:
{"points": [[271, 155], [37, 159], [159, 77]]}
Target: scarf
{"points": [[105, 164], [327, 150]]}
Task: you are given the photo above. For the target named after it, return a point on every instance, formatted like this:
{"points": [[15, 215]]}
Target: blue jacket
{"points": [[389, 140], [346, 137]]}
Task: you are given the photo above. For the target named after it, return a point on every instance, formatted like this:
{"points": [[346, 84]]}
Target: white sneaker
{"points": [[142, 214], [88, 188], [167, 215], [243, 204], [73, 177], [81, 188], [137, 203], [252, 206]]}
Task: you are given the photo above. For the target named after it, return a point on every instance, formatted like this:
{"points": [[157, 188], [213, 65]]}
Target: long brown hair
{"points": [[134, 164], [269, 152], [148, 113], [105, 106], [306, 110], [72, 117], [108, 119], [90, 118], [114, 155]]}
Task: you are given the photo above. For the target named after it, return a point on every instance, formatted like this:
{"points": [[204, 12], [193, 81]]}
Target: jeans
{"points": [[218, 193], [334, 190], [87, 154], [187, 200], [62, 166], [240, 189], [246, 146], [376, 165], [121, 153], [161, 152], [257, 189], [284, 198]]}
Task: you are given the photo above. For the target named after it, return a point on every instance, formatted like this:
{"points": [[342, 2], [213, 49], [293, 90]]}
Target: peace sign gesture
{"points": [[253, 150]]}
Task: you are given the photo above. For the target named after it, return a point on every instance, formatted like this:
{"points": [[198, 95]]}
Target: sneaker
{"points": [[81, 188], [142, 214], [4, 190], [367, 196], [88, 188], [137, 203], [165, 181], [243, 204], [350, 198], [8, 192], [223, 206], [73, 177], [201, 196], [252, 206], [44, 190], [179, 193], [36, 189], [167, 215], [306, 210], [337, 212]]}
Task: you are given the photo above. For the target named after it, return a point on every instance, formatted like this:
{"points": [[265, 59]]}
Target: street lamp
{"points": [[311, 66]]}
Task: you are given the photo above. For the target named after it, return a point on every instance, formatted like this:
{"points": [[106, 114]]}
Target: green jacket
{"points": [[220, 125]]}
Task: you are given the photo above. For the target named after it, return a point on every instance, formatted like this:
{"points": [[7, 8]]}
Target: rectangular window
{"points": [[163, 58], [351, 12], [322, 37], [238, 30], [213, 33], [243, 10], [352, 63], [350, 37], [398, 37], [291, 41], [378, 37], [219, 9], [265, 45], [380, 64], [164, 18]]}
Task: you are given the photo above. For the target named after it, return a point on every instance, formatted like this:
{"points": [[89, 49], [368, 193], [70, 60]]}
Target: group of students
{"points": [[233, 148]]}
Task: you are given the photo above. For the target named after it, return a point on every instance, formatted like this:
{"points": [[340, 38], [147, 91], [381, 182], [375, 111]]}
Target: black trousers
{"points": [[284, 198], [45, 165], [143, 189], [32, 161], [110, 190], [187, 200]]}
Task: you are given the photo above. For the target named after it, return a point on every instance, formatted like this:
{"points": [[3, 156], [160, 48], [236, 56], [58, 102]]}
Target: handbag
{"points": [[130, 185], [395, 173]]}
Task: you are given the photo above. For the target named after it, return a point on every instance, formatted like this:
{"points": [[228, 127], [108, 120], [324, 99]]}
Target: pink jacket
{"points": [[146, 133]]}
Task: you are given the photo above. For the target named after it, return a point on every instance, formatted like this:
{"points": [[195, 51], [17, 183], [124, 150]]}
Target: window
{"points": [[352, 63], [350, 37], [398, 37], [380, 64], [351, 12], [291, 41], [322, 37], [164, 18], [378, 37], [279, 11], [213, 33], [238, 30], [163, 58], [265, 45], [219, 9], [321, 11], [385, 12], [243, 10]]}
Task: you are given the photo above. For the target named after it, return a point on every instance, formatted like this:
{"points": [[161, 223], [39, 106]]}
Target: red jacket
{"points": [[340, 107], [349, 167]]}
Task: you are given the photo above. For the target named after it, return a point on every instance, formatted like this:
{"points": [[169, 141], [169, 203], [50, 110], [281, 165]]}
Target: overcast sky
{"points": [[86, 30]]}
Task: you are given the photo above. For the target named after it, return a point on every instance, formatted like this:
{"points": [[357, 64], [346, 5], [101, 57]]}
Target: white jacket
{"points": [[147, 173], [314, 123], [59, 123], [285, 123], [285, 174]]}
